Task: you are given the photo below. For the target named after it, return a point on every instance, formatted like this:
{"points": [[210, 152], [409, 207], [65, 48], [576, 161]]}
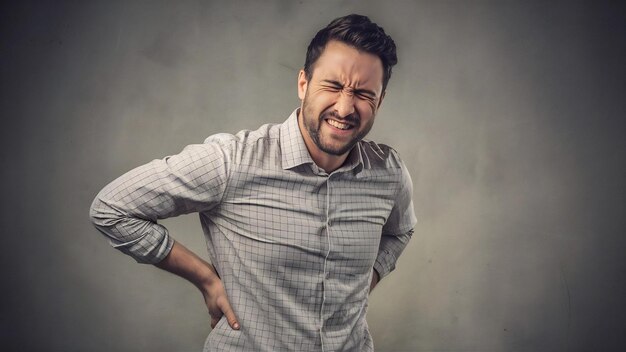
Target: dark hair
{"points": [[357, 31]]}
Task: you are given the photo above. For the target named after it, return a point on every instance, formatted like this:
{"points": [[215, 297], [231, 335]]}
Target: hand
{"points": [[218, 304], [186, 264], [375, 279]]}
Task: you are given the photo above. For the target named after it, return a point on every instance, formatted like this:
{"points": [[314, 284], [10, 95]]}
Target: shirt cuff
{"points": [[391, 246], [384, 264], [150, 248]]}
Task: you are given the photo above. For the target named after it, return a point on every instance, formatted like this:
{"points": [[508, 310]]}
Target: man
{"points": [[301, 219]]}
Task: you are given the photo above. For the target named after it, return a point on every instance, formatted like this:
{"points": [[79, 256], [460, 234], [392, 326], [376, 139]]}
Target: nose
{"points": [[345, 104]]}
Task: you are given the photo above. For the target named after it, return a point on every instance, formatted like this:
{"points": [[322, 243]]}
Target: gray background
{"points": [[510, 116]]}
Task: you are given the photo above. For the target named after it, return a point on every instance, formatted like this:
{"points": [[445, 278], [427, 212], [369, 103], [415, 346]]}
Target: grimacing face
{"points": [[340, 101]]}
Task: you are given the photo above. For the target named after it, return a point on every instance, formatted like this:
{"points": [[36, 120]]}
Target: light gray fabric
{"points": [[294, 246]]}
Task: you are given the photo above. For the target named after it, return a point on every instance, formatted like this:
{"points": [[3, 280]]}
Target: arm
{"points": [[127, 211], [398, 229]]}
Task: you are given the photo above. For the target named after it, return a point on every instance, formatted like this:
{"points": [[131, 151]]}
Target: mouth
{"points": [[339, 125]]}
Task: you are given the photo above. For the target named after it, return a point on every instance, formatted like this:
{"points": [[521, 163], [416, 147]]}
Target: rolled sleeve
{"points": [[391, 246], [127, 209], [398, 229]]}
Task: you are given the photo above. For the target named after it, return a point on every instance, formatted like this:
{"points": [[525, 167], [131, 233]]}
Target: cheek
{"points": [[366, 110], [323, 100]]}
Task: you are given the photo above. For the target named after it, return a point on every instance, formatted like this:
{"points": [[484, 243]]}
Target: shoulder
{"points": [[380, 156], [247, 145], [244, 138], [381, 159]]}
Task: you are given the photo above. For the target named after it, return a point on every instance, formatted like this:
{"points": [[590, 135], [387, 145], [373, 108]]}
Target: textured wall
{"points": [[510, 116]]}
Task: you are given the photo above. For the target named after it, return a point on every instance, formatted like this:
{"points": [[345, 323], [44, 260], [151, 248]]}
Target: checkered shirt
{"points": [[293, 245]]}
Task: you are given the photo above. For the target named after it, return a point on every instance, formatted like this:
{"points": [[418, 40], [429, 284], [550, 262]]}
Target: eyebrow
{"points": [[356, 91]]}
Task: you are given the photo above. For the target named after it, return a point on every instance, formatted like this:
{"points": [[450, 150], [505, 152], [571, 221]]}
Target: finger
{"points": [[214, 322], [229, 313]]}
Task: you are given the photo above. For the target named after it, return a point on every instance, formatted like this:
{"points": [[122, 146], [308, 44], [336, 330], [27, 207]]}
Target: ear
{"points": [[380, 101], [302, 84]]}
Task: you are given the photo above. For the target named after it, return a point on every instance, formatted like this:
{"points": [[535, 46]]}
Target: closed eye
{"points": [[332, 88], [361, 93], [365, 95], [332, 85]]}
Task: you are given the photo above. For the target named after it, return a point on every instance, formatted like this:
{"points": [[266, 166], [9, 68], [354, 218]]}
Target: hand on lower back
{"points": [[186, 264], [218, 304]]}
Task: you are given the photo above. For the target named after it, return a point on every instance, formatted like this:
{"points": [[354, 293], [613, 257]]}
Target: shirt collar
{"points": [[294, 151], [292, 145]]}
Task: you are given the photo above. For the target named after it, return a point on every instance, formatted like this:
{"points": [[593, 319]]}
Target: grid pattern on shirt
{"points": [[294, 246]]}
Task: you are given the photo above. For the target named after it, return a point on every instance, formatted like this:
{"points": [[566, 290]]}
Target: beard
{"points": [[324, 142]]}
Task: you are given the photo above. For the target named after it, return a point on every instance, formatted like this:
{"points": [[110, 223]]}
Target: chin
{"points": [[338, 150]]}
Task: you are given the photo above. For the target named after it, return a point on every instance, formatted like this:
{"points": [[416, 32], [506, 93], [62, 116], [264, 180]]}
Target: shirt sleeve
{"points": [[127, 209], [398, 229]]}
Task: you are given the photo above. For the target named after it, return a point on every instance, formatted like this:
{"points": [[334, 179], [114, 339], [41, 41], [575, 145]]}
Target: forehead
{"points": [[346, 64]]}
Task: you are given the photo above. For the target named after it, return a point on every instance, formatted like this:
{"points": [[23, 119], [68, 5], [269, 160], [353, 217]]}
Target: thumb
{"points": [[224, 305]]}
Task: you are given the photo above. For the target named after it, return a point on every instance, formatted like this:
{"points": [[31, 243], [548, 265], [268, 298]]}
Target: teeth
{"points": [[342, 126]]}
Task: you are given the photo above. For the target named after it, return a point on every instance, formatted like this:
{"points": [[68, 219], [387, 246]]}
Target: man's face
{"points": [[341, 99]]}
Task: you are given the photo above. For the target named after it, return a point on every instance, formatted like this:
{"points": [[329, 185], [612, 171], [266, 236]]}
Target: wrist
{"points": [[186, 264], [206, 278]]}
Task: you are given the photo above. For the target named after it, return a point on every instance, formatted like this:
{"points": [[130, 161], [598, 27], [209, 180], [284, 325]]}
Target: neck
{"points": [[327, 162]]}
